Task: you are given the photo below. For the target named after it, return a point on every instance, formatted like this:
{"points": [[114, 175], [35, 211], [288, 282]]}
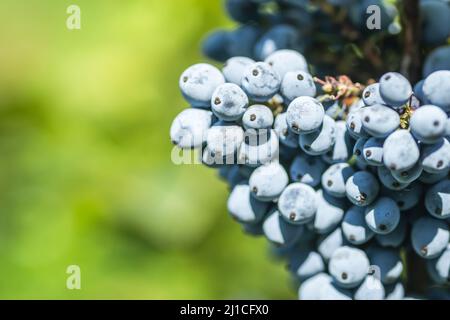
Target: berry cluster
{"points": [[336, 36], [344, 179]]}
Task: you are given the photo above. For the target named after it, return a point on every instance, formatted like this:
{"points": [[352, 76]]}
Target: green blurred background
{"points": [[86, 176]]}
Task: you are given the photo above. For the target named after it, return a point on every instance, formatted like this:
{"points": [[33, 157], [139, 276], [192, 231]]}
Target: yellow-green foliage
{"points": [[85, 170]]}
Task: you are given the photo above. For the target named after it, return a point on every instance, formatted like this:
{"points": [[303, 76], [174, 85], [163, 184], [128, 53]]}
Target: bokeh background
{"points": [[85, 170]]}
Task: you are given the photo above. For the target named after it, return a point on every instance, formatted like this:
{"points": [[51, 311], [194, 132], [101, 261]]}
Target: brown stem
{"points": [[417, 275], [412, 58]]}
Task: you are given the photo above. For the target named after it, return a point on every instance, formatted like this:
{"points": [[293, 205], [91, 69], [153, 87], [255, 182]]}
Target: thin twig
{"points": [[412, 57]]}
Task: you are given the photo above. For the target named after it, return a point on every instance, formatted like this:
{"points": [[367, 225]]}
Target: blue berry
{"points": [[372, 151], [278, 231], [395, 238], [305, 264], [327, 244], [400, 151], [436, 88], [307, 170], [296, 84], [189, 128], [305, 115], [438, 59], [329, 214], [435, 22], [322, 287], [395, 291], [362, 188], [379, 121], [215, 45], [395, 89], [198, 83], [258, 117], [259, 147], [358, 149], [242, 10], [284, 61], [429, 237], [388, 180], [437, 200], [418, 92], [343, 146], [298, 203], [242, 40], [354, 226], [439, 268], [224, 139], [432, 178], [371, 95], [335, 178], [261, 82], [321, 141], [235, 68], [388, 262], [244, 207], [410, 175], [407, 198], [436, 158], [348, 266], [428, 124], [277, 38], [252, 228], [370, 289], [355, 125], [286, 136], [268, 181], [229, 102], [383, 216], [447, 129]]}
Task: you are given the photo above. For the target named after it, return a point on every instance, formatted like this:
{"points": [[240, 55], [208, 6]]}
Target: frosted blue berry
{"points": [[198, 83]]}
